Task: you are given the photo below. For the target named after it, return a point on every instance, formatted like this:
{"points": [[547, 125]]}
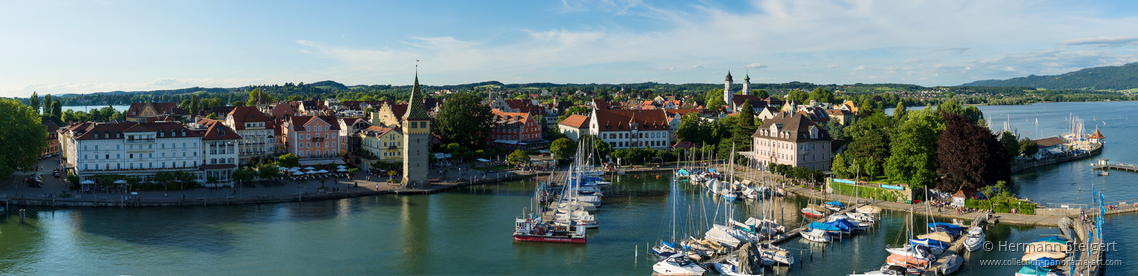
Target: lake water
{"points": [[78, 108], [467, 230]]}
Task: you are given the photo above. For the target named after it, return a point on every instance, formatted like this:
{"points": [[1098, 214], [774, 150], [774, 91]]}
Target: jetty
{"points": [[1104, 164]]}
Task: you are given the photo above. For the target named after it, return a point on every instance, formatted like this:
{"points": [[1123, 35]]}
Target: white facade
{"points": [[139, 154]]}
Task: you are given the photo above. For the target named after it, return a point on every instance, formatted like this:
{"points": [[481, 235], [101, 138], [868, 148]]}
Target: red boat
{"points": [[533, 230], [811, 213]]}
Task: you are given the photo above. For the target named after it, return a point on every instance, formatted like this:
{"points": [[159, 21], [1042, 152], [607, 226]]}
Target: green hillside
{"points": [[1097, 78]]}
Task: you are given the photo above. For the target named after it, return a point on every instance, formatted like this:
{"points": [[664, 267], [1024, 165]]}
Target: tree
{"points": [[969, 155], [950, 106], [47, 104], [747, 115], [839, 167], [602, 148], [268, 171], [518, 158], [714, 100], [899, 112], [195, 106], [836, 129], [693, 128], [577, 109], [797, 96], [35, 103], [872, 167], [821, 95], [57, 111], [761, 93], [21, 137], [1028, 147], [164, 178], [914, 148], [244, 175], [288, 160], [1008, 140], [212, 116], [563, 148], [464, 120]]}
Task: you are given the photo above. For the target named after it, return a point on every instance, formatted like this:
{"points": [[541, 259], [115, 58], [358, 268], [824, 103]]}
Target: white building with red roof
{"points": [[219, 152], [256, 131], [131, 149], [624, 129]]}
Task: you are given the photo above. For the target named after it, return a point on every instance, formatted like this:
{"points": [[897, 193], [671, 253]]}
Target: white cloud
{"points": [[755, 65], [1102, 41], [860, 67], [832, 66], [1009, 68], [696, 66]]}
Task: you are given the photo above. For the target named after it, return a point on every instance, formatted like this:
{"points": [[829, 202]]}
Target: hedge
{"points": [[1000, 207], [866, 192]]}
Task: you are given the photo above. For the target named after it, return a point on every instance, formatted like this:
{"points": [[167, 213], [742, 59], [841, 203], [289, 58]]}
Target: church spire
{"points": [[416, 109]]}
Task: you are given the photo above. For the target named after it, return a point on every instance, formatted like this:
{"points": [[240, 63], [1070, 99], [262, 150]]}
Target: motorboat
{"points": [[816, 235], [920, 252], [726, 269], [892, 270], [591, 199], [774, 255], [532, 229], [811, 213], [834, 205], [584, 219], [825, 228], [664, 249], [869, 209], [949, 264], [765, 225], [975, 238], [677, 265], [1031, 270]]}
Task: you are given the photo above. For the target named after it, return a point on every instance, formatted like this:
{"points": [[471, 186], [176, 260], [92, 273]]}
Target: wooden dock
{"points": [[1120, 167]]}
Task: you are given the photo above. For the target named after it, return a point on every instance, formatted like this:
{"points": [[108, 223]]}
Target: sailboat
{"points": [[673, 261]]}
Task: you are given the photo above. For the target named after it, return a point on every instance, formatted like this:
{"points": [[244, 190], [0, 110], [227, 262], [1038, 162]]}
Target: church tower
{"points": [[416, 140], [727, 95], [746, 85]]}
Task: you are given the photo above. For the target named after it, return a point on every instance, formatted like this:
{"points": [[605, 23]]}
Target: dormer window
{"points": [[161, 134], [96, 135]]}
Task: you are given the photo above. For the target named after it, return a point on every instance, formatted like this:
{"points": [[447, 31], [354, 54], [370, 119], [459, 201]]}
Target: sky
{"points": [[107, 45]]}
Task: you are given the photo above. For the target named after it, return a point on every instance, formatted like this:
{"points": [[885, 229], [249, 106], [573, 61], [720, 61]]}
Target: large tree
{"points": [[47, 103], [35, 103], [21, 137], [747, 114], [839, 167], [563, 149], [797, 97], [869, 138], [288, 160], [914, 150], [969, 155], [714, 100], [761, 93], [693, 128], [821, 95], [1028, 147], [1010, 143], [464, 120]]}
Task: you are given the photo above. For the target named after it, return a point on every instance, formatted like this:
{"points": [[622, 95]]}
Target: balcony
{"points": [[317, 139], [140, 140]]}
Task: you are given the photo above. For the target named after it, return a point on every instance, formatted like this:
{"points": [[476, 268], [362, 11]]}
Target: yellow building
{"points": [[381, 144]]}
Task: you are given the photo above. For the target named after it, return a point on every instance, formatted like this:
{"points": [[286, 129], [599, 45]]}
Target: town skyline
{"points": [[105, 46]]}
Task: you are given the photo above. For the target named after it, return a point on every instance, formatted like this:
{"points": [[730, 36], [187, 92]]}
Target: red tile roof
{"points": [[620, 120], [159, 108], [575, 121], [1047, 142], [215, 130], [245, 114], [87, 131]]}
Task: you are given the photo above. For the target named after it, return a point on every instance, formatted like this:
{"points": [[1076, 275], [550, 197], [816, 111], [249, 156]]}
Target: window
{"points": [[117, 146], [118, 156]]}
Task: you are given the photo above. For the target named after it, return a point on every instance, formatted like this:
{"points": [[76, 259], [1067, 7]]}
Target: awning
{"points": [[504, 141], [482, 160]]}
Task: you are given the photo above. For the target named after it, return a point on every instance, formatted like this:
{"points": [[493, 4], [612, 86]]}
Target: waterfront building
{"points": [[219, 152], [1096, 137], [515, 130], [349, 127], [624, 129], [380, 144], [792, 139], [416, 139], [256, 131], [148, 112], [313, 137], [130, 149], [573, 126], [52, 142]]}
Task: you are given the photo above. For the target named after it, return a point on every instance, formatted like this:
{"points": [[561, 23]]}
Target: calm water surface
{"points": [[467, 231]]}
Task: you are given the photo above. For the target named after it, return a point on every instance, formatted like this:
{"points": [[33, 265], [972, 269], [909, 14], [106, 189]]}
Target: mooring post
{"points": [[21, 216]]}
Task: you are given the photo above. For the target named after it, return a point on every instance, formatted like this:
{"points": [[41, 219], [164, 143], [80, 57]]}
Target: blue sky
{"points": [[93, 46]]}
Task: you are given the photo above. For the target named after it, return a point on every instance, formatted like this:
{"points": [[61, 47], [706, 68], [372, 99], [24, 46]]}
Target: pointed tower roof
{"points": [[416, 109], [1097, 135], [729, 76], [747, 78]]}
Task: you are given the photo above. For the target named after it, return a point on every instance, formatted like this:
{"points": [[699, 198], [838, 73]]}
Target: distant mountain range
{"points": [[1096, 78]]}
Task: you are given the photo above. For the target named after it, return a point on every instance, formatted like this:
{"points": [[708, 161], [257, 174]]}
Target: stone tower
{"points": [[727, 95], [746, 85], [416, 140]]}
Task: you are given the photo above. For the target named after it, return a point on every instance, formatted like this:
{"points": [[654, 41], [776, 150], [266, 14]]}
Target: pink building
{"points": [[312, 136], [795, 140]]}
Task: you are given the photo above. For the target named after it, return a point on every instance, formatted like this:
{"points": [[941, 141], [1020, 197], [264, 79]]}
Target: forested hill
{"points": [[1104, 78]]}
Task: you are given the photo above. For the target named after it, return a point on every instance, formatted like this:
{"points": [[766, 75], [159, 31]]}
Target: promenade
{"points": [[14, 191]]}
